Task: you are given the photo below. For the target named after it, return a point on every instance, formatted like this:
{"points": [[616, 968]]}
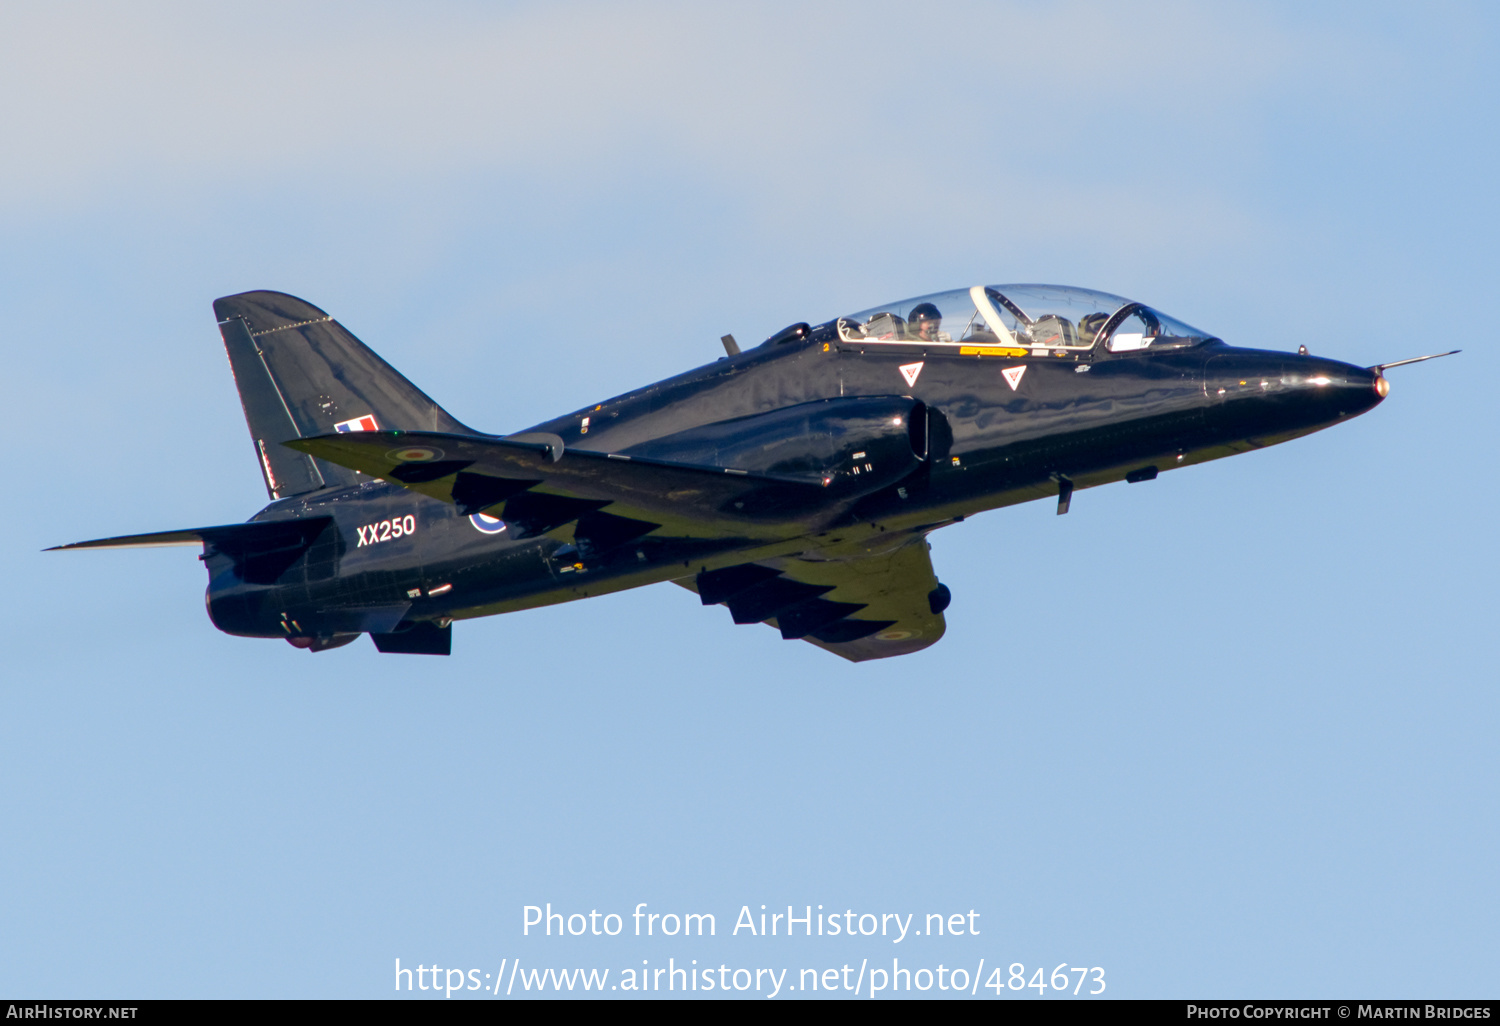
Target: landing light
{"points": [[1382, 386]]}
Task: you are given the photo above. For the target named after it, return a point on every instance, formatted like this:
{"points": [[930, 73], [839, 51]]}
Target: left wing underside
{"points": [[857, 605], [862, 607]]}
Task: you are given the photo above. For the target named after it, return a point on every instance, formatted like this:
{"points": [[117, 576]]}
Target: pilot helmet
{"points": [[924, 312], [1089, 325]]}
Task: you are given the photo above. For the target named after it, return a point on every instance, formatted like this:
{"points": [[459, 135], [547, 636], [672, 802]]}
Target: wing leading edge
{"points": [[540, 483]]}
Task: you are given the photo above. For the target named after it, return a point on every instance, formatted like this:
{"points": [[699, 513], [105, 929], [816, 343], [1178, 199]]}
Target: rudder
{"points": [[301, 373]]}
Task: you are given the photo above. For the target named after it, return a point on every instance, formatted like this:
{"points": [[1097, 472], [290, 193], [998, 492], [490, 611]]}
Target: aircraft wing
{"points": [[865, 606], [536, 484]]}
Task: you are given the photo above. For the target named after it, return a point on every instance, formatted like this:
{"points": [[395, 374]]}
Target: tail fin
{"points": [[300, 373]]}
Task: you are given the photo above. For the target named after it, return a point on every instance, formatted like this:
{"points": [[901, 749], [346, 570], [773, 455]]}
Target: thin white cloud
{"points": [[179, 95]]}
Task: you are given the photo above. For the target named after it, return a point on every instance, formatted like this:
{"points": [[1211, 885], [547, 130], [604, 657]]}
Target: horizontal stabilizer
{"points": [[156, 540], [255, 534], [261, 549]]}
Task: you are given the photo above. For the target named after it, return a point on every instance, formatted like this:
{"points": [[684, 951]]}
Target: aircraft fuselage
{"points": [[1000, 429]]}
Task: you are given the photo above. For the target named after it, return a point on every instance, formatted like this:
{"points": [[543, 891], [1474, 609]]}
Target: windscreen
{"points": [[1040, 318]]}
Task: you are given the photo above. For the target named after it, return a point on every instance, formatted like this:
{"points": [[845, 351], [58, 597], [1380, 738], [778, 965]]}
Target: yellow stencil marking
{"points": [[992, 351]]}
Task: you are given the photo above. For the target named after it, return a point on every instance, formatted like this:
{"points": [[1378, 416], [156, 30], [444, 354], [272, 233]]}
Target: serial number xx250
{"points": [[386, 530]]}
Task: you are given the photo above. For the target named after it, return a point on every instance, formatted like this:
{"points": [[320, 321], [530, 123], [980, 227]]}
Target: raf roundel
{"points": [[415, 454], [487, 525]]}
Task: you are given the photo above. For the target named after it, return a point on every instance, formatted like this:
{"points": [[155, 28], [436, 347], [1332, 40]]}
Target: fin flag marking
{"points": [[365, 423]]}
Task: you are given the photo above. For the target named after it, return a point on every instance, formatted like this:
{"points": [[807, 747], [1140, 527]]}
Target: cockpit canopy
{"points": [[1041, 318]]}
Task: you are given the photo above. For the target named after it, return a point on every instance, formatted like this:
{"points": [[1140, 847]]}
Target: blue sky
{"points": [[1231, 733]]}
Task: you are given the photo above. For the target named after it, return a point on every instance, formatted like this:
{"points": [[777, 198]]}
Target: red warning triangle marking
{"points": [[1013, 376], [909, 371]]}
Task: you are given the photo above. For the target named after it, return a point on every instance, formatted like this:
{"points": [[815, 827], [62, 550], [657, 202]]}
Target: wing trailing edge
{"points": [[859, 607]]}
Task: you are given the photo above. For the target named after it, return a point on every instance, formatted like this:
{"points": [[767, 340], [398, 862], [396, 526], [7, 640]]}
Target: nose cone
{"points": [[1338, 389], [1286, 394]]}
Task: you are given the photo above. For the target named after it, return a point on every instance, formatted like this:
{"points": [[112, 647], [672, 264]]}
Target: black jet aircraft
{"points": [[795, 483]]}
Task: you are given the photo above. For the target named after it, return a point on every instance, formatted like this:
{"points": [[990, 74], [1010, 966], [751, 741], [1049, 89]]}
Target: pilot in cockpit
{"points": [[924, 322], [1089, 325]]}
